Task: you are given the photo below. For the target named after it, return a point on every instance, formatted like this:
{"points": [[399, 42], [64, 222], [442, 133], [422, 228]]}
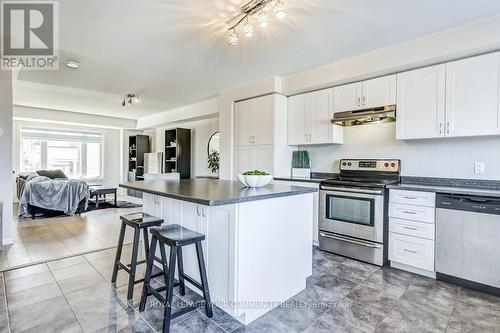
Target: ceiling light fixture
{"points": [[73, 64], [263, 19], [130, 100], [255, 9], [248, 29], [279, 10], [233, 38]]}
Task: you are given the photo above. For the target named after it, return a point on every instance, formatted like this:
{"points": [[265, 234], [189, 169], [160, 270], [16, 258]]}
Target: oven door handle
{"points": [[348, 240], [351, 190]]}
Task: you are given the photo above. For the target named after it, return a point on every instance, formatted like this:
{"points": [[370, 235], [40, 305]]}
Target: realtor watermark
{"points": [[30, 35]]}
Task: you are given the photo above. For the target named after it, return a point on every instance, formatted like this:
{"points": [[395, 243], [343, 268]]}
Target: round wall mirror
{"points": [[214, 143], [213, 153]]}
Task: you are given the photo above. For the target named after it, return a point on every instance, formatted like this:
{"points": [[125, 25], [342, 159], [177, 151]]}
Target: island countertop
{"points": [[214, 192]]}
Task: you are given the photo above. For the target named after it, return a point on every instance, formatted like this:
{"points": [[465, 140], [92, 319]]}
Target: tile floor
{"points": [[51, 238], [342, 295]]}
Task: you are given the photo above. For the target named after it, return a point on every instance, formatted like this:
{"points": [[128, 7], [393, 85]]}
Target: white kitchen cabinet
{"points": [[348, 97], [297, 133], [368, 94], [260, 136], [255, 121], [152, 205], [254, 158], [412, 231], [421, 103], [456, 99], [472, 96], [412, 251], [309, 119], [380, 91]]}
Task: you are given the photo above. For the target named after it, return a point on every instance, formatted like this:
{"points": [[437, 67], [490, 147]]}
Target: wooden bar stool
{"points": [[176, 237], [137, 221]]}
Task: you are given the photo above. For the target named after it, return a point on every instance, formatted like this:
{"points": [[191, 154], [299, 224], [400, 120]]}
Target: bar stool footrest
{"points": [[184, 310]]}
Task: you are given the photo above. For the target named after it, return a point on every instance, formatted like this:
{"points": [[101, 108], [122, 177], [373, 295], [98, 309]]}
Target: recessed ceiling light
{"points": [[73, 64]]}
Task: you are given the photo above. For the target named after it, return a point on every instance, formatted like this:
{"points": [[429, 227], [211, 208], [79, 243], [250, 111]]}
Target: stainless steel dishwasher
{"points": [[468, 241]]}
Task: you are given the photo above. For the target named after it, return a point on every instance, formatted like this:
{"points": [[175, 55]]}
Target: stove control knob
{"points": [[393, 164], [349, 164], [386, 164], [344, 163]]}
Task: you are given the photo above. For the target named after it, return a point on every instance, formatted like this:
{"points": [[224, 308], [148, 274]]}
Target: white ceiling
{"points": [[174, 52]]}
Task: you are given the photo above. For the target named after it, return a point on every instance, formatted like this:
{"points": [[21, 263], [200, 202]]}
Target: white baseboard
{"points": [[412, 269]]}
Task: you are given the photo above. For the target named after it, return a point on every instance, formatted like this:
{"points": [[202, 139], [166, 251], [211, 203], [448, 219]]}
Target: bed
{"points": [[51, 193]]}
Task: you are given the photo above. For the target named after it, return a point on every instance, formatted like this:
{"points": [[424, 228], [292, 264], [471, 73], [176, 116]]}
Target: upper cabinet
{"points": [[472, 96], [364, 95], [255, 121], [309, 119], [457, 99], [260, 135], [421, 103]]}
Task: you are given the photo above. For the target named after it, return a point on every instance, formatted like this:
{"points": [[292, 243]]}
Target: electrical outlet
{"points": [[479, 167]]}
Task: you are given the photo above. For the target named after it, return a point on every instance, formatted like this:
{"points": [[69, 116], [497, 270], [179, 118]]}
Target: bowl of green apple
{"points": [[255, 178]]}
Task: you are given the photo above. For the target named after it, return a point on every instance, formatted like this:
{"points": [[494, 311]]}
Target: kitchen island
{"points": [[258, 246]]}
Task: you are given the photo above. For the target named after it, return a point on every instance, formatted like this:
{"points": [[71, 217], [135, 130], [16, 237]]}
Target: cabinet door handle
{"points": [[364, 100], [197, 210], [410, 198], [410, 228], [447, 127], [440, 128], [409, 212], [203, 212], [359, 101], [409, 251]]}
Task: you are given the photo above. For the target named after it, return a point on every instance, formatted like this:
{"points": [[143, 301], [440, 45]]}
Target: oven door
{"points": [[352, 212]]}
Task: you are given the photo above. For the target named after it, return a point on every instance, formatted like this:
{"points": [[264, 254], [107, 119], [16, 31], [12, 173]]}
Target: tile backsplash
{"points": [[446, 158]]}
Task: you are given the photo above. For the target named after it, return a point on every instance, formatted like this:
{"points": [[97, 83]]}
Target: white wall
{"points": [[201, 131], [447, 158], [111, 148], [6, 154]]}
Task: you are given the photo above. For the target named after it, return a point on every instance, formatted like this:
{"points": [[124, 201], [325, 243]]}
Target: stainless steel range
{"points": [[353, 209]]}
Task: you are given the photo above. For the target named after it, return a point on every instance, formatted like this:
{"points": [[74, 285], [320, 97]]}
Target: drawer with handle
{"points": [[412, 251], [427, 199], [410, 212], [412, 228]]}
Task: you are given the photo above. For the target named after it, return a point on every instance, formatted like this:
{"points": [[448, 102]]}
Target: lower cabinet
{"points": [[412, 251], [412, 230], [217, 224]]}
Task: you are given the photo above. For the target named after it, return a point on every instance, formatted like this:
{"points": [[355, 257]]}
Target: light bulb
{"points": [[248, 29], [263, 19], [279, 10], [136, 99], [233, 38]]}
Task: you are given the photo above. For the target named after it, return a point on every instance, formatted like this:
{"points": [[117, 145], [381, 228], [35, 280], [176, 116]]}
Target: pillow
{"points": [[52, 174], [27, 175]]}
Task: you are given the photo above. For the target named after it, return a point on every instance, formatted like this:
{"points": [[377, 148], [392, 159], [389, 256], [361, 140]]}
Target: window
{"points": [[77, 154]]}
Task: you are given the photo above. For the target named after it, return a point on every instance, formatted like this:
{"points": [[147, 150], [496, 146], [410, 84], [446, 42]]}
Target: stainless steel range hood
{"points": [[384, 114]]}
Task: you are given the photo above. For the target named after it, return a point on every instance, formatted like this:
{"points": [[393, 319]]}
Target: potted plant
{"points": [[300, 164], [214, 161]]}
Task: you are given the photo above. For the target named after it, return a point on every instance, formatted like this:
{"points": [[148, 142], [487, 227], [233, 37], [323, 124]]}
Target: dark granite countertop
{"points": [[449, 186], [214, 192], [301, 180]]}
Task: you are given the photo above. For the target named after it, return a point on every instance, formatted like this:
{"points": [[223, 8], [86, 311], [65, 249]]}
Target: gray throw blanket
{"points": [[54, 194]]}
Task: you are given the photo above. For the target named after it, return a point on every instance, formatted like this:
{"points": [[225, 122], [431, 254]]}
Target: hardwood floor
{"points": [[47, 239]]}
